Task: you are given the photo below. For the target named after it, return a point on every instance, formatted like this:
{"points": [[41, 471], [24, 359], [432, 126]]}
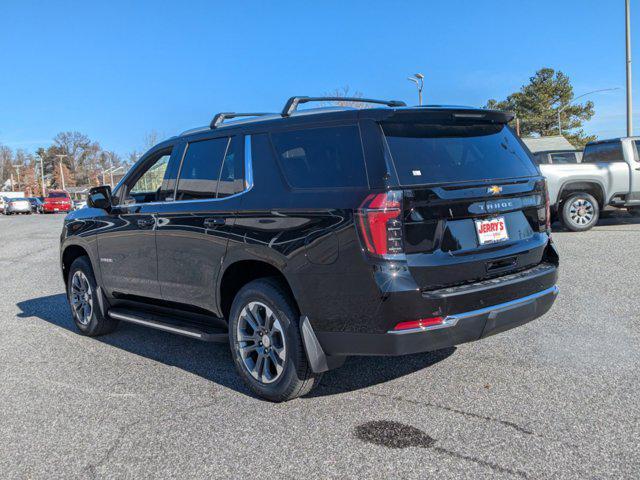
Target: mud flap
{"points": [[318, 361]]}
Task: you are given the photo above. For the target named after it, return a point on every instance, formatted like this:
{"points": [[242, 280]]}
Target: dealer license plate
{"points": [[492, 230]]}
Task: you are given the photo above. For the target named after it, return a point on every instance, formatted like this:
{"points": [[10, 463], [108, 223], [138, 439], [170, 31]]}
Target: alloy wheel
{"points": [[261, 342], [81, 298], [581, 211]]}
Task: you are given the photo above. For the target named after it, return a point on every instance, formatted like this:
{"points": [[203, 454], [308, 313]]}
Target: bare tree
{"points": [[6, 159], [151, 139], [75, 145], [344, 92]]}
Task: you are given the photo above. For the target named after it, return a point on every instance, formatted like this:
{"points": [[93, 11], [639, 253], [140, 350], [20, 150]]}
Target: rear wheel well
{"points": [[238, 274], [592, 189], [68, 256]]}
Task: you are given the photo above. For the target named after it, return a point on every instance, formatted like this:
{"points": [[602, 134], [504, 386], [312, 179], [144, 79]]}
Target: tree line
{"points": [[72, 159]]}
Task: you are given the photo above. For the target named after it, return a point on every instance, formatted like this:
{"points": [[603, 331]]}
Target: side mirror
{"points": [[100, 197]]}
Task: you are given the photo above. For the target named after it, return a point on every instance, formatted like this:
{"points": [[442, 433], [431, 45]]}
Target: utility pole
{"points": [[627, 12], [44, 190], [60, 157], [17, 168]]}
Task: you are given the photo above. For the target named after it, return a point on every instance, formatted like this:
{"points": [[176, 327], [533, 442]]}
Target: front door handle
{"points": [[146, 222], [214, 222]]}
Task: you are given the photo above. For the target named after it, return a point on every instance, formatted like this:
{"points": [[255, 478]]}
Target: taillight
{"points": [[547, 205], [380, 224]]}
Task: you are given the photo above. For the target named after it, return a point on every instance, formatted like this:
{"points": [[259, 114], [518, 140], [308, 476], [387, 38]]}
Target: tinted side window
{"points": [[541, 158], [167, 189], [232, 173], [201, 168], [566, 157], [321, 157], [603, 152]]}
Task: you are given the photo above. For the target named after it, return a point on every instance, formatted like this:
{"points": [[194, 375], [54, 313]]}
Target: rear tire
{"points": [[82, 293], [266, 345], [580, 212]]}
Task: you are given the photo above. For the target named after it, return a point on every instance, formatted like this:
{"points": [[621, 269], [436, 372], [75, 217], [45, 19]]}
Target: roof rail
{"points": [[292, 104], [221, 117]]}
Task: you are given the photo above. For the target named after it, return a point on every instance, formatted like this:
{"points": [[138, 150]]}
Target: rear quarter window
{"points": [[425, 154], [327, 157]]}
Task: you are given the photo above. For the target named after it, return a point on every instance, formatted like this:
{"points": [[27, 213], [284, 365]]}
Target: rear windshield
{"points": [[58, 195], [425, 154], [605, 152]]}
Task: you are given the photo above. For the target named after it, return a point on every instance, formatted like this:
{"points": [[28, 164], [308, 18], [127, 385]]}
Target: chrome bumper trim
{"points": [[452, 320]]}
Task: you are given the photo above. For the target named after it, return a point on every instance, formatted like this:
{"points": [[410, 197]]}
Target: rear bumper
{"points": [[49, 208], [18, 210], [458, 328]]}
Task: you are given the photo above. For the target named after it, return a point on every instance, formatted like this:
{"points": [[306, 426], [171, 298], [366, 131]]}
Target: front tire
{"points": [[266, 345], [82, 293], [580, 212]]}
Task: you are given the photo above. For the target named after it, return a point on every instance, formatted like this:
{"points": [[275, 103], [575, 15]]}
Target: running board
{"points": [[199, 332]]}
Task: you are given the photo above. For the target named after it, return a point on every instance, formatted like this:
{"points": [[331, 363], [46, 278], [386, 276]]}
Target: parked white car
{"points": [[17, 205]]}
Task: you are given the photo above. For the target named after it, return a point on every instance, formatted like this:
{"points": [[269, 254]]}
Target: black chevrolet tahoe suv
{"points": [[310, 235]]}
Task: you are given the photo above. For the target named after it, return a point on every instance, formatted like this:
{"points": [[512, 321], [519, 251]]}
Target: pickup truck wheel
{"points": [[266, 345], [580, 212], [82, 292], [634, 211]]}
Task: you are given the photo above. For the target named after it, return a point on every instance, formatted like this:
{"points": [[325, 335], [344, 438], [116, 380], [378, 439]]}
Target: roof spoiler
{"points": [[292, 104], [456, 114], [221, 117]]}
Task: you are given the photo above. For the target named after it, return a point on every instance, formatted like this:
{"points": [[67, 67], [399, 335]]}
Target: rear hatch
{"points": [[58, 201], [473, 202]]}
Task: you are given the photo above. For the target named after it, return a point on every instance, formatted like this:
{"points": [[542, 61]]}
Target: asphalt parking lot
{"points": [[555, 398]]}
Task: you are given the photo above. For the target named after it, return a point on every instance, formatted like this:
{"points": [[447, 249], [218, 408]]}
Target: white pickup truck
{"points": [[609, 175]]}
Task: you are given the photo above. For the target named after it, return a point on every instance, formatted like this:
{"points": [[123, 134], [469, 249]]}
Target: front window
{"points": [[147, 186]]}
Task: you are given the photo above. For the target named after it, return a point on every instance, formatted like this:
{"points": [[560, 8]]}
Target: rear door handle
{"points": [[146, 222], [214, 222]]}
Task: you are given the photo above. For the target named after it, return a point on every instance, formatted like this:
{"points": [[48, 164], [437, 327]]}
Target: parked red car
{"points": [[57, 201]]}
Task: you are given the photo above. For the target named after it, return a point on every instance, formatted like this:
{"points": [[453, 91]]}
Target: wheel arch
{"points": [[239, 273], [592, 187], [69, 254]]}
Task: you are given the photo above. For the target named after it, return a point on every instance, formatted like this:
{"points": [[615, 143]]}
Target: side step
{"points": [[167, 324]]}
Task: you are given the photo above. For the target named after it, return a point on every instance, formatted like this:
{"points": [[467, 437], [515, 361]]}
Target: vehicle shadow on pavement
{"points": [[362, 372], [607, 219], [213, 361]]}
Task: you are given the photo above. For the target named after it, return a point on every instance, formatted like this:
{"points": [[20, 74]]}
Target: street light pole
{"points": [[627, 12], [418, 79], [562, 109]]}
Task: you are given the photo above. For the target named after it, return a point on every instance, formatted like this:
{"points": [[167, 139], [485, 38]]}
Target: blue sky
{"points": [[115, 70]]}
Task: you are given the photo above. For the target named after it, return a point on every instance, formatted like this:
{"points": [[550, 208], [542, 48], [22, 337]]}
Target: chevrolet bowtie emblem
{"points": [[494, 190]]}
